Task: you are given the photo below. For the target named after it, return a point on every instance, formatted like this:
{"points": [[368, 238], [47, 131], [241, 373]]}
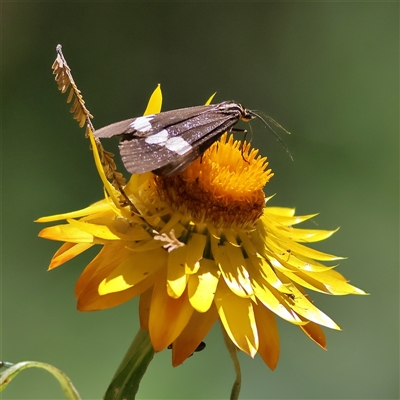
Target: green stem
{"points": [[125, 383], [233, 353]]}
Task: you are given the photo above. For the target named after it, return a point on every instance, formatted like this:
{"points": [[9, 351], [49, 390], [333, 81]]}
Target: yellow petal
{"points": [[267, 272], [168, 316], [280, 211], [237, 317], [259, 263], [173, 223], [210, 99], [302, 306], [194, 253], [307, 282], [66, 252], [87, 287], [272, 299], [99, 231], [238, 264], [202, 286], [145, 246], [233, 273], [296, 262], [138, 183], [283, 220], [94, 208], [315, 333], [194, 332], [333, 284], [66, 233], [268, 333], [109, 257], [125, 229], [144, 306], [310, 235], [91, 300], [107, 185], [231, 236], [133, 269], [155, 102], [176, 276], [274, 246]]}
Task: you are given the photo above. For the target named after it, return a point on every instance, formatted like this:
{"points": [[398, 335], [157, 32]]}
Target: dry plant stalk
{"points": [[64, 79]]}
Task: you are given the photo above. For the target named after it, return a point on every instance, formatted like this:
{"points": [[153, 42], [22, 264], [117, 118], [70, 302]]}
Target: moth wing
{"points": [[117, 128], [200, 128], [149, 124], [138, 157], [173, 117], [210, 133], [182, 143]]}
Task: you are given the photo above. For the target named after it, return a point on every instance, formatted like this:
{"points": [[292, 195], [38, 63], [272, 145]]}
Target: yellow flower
{"points": [[205, 247]]}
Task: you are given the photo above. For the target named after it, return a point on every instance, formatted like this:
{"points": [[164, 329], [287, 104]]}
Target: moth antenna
{"points": [[264, 118]]}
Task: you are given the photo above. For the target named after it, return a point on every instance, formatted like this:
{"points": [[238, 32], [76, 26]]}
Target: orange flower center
{"points": [[223, 187]]}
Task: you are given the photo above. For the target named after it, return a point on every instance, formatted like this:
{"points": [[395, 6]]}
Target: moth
{"points": [[166, 143]]}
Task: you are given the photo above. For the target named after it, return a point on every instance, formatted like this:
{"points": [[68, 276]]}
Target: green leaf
{"points": [[11, 372]]}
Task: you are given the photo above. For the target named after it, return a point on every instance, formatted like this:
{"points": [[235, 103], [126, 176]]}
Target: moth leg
{"points": [[244, 131]]}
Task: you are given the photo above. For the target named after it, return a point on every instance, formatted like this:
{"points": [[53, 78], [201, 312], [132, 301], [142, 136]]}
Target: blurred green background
{"points": [[328, 72]]}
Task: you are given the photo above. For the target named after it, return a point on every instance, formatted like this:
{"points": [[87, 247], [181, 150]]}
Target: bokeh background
{"points": [[328, 72]]}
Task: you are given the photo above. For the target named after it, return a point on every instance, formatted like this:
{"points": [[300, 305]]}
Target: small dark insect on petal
{"points": [[200, 347], [290, 296]]}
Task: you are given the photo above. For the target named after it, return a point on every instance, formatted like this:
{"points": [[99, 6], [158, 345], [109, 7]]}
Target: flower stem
{"points": [[233, 353], [125, 383]]}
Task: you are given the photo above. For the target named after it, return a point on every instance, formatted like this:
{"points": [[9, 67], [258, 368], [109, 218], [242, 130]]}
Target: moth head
{"points": [[247, 115]]}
